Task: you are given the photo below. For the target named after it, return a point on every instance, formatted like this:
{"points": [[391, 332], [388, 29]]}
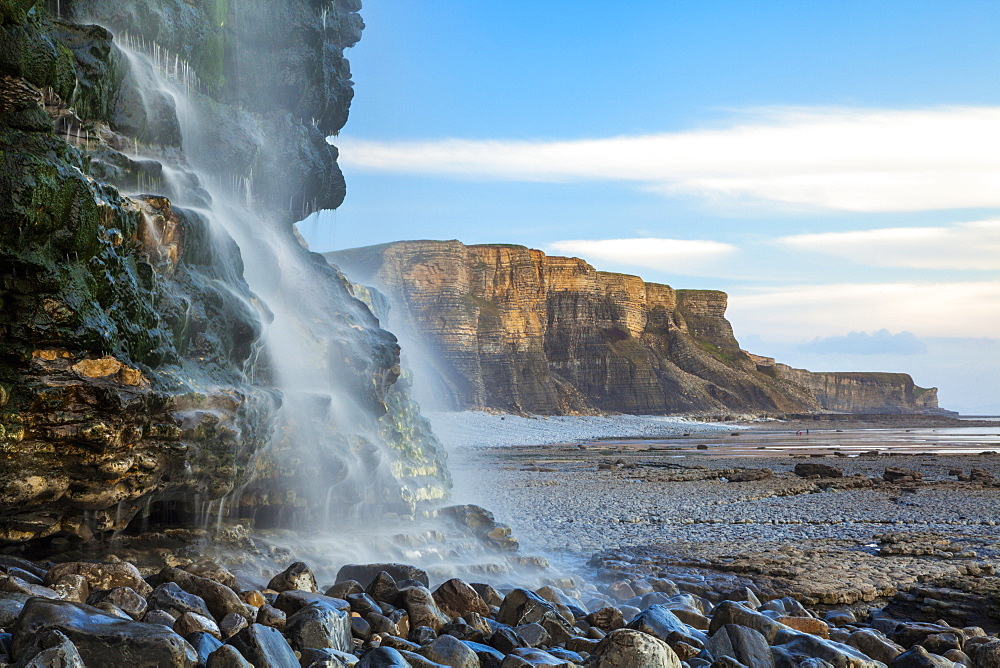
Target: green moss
{"points": [[727, 356], [16, 11], [210, 58], [27, 50]]}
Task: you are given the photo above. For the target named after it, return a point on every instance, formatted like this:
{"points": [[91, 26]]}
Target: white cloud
{"points": [[857, 160], [961, 246], [677, 256], [798, 313]]}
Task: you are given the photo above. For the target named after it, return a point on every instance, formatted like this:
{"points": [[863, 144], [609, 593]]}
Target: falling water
{"points": [[318, 341]]}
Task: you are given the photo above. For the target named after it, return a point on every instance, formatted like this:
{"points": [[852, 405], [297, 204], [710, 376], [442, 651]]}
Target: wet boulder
{"points": [[743, 644], [297, 576], [450, 651], [628, 648], [456, 598], [102, 576], [101, 639], [658, 621], [264, 646], [365, 573], [918, 657], [175, 601], [220, 599]]}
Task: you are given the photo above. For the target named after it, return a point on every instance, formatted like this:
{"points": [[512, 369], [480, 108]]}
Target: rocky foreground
{"points": [[386, 615]]}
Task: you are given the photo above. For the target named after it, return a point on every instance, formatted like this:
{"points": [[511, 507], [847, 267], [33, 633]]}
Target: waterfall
{"points": [[347, 442]]}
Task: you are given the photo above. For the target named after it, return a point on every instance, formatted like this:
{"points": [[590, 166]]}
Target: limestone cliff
{"points": [[510, 328], [146, 150], [863, 392], [514, 329]]}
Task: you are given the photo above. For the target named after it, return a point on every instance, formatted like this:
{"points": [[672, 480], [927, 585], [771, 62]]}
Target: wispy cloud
{"points": [[961, 246], [857, 160], [796, 313], [676, 256]]}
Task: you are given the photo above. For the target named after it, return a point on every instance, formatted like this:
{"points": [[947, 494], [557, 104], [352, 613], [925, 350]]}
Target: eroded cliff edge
{"points": [[510, 328], [134, 375]]}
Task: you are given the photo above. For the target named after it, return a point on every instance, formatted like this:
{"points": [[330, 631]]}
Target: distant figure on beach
{"points": [[798, 433]]}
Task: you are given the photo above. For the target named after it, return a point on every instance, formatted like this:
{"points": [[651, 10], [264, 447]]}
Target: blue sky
{"points": [[833, 166]]}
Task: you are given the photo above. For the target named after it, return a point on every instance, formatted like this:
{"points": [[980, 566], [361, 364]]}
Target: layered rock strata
{"points": [[863, 392], [510, 328], [134, 376]]}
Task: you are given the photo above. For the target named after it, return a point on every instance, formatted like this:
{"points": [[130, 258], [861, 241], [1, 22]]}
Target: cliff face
{"points": [[511, 328], [135, 375], [514, 329], [855, 392]]}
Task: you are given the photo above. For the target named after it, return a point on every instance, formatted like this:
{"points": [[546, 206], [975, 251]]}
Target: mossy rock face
{"points": [[131, 371], [106, 327], [28, 50]]}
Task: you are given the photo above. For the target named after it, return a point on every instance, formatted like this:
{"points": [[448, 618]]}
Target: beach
{"points": [[722, 503]]}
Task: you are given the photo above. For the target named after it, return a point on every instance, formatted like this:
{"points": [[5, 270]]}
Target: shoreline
{"points": [[491, 429], [482, 429]]}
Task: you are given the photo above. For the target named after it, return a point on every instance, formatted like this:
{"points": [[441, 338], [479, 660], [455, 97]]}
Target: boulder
{"points": [[743, 644], [344, 589], [506, 640], [417, 661], [456, 598], [816, 627], [628, 648], [268, 615], [918, 657], [986, 654], [102, 576], [365, 573], [297, 576], [538, 657], [293, 600], [488, 656], [319, 626], [264, 646], [232, 624], [10, 608], [810, 469], [733, 612], [172, 599], [227, 656], [534, 634], [522, 606], [124, 598], [55, 651], [788, 642], [450, 651], [422, 609], [220, 599], [204, 644], [100, 639], [606, 619], [382, 588], [206, 568], [896, 474], [658, 621], [192, 622], [383, 657], [488, 594], [875, 645]]}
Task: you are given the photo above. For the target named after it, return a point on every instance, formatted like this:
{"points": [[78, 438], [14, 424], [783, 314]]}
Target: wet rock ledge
{"points": [[380, 615]]}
